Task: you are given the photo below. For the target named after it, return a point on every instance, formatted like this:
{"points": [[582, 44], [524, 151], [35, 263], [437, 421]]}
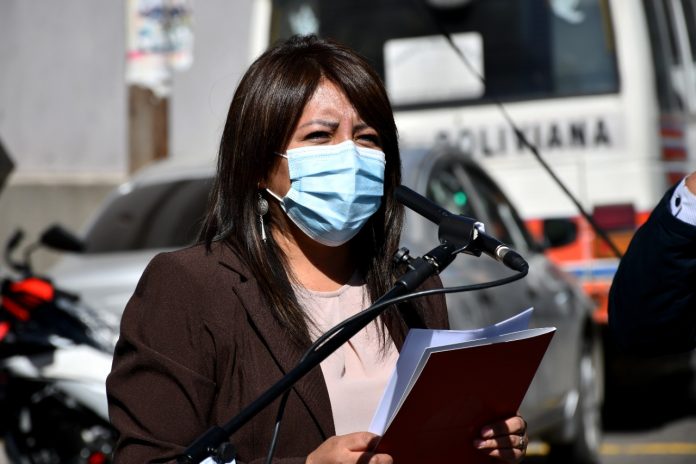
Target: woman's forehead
{"points": [[328, 102]]}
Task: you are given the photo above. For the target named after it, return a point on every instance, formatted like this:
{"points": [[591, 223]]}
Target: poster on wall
{"points": [[159, 42]]}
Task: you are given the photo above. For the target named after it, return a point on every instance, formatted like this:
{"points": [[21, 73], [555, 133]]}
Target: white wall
{"points": [[62, 98], [62, 110], [201, 95]]}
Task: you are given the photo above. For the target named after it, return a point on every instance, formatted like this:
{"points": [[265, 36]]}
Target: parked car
{"points": [[162, 207]]}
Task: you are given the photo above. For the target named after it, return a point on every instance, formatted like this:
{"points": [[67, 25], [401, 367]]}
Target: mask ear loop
{"points": [[261, 210]]}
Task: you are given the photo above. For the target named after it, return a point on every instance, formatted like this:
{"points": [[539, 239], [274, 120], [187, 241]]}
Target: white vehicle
{"points": [[606, 89]]}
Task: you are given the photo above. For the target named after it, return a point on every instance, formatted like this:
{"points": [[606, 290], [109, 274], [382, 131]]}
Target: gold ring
{"points": [[523, 443]]}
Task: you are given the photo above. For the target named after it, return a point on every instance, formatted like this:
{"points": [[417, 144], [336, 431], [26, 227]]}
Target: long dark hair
{"points": [[263, 114]]}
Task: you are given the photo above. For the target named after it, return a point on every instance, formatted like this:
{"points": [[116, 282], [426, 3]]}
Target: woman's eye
{"points": [[372, 139], [317, 135]]}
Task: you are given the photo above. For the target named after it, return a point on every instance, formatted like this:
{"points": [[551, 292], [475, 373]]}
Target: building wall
{"points": [[62, 99], [63, 103], [62, 110], [201, 96]]}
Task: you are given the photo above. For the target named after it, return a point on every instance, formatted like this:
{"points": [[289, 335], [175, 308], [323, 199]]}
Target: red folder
{"points": [[460, 389]]}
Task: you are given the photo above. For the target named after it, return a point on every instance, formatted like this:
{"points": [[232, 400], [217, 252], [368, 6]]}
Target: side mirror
{"points": [[16, 237], [559, 232], [59, 238]]}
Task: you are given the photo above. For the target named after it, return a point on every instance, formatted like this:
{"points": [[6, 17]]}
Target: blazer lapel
{"points": [[311, 388]]}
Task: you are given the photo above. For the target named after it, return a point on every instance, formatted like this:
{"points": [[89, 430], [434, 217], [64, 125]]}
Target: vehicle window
{"points": [[166, 215], [549, 48], [464, 188], [664, 52], [452, 186], [689, 8], [506, 224], [449, 187]]}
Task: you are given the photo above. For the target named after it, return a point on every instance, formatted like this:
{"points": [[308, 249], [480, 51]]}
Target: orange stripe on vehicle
{"points": [[674, 153], [671, 132]]}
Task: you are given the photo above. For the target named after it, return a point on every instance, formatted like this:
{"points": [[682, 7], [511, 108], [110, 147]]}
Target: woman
{"points": [[299, 235]]}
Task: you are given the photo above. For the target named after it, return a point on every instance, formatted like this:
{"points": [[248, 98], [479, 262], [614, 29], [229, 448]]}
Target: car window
{"points": [[164, 215], [449, 187], [463, 188], [503, 220]]}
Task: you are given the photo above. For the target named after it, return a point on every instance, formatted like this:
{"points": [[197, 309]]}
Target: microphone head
{"points": [[514, 261]]}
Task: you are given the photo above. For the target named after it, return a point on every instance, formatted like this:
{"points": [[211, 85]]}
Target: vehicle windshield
{"points": [[524, 49], [162, 215]]}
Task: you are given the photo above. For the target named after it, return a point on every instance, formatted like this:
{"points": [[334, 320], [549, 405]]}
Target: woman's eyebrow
{"points": [[323, 122]]}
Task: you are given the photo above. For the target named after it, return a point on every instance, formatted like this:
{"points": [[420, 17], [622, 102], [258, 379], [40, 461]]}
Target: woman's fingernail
{"points": [[478, 443], [487, 432]]}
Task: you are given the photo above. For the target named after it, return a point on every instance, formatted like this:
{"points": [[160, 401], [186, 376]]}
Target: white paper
{"points": [[210, 460], [418, 345]]}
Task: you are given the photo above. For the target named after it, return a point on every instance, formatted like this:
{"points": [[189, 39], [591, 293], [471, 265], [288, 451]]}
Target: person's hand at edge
{"points": [[350, 448], [691, 182], [506, 440]]}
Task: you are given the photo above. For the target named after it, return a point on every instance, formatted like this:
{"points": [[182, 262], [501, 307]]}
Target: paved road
{"points": [[648, 419], [671, 443]]}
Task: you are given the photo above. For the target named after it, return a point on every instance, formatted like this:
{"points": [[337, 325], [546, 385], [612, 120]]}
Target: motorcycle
{"points": [[55, 354]]}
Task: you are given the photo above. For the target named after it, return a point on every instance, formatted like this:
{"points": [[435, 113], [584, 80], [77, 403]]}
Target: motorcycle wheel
{"points": [[54, 430]]}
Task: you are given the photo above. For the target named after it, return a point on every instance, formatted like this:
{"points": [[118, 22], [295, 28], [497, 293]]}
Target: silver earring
{"points": [[261, 210]]}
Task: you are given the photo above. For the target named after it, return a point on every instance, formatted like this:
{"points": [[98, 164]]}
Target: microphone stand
{"points": [[215, 442]]}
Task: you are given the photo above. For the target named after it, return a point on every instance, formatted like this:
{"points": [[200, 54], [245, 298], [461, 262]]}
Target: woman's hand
{"points": [[353, 448], [506, 440]]}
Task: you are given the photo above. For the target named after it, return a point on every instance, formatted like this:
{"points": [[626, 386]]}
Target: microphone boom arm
{"points": [[466, 234]]}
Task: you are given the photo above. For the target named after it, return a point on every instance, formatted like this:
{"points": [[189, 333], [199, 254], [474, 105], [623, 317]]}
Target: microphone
{"points": [[500, 252], [466, 233]]}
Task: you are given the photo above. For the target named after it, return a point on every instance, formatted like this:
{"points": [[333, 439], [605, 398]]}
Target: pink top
{"points": [[357, 373]]}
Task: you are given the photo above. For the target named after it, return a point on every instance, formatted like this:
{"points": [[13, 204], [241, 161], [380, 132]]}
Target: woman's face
{"points": [[327, 119]]}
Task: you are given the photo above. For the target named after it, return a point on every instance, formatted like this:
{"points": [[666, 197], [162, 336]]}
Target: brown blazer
{"points": [[197, 345]]}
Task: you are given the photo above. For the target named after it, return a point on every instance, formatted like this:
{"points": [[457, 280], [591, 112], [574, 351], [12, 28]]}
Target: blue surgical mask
{"points": [[334, 190]]}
